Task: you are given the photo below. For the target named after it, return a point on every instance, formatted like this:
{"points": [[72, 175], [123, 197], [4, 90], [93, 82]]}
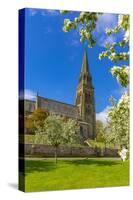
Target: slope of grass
{"points": [[44, 175]]}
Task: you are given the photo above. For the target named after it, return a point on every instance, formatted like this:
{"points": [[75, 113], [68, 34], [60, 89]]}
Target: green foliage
{"points": [[86, 23], [122, 74], [58, 130], [123, 24], [104, 138], [119, 113], [29, 139], [71, 132], [64, 11], [100, 131], [111, 52], [54, 130], [37, 118], [96, 144], [33, 139], [99, 141], [29, 125], [119, 121]]}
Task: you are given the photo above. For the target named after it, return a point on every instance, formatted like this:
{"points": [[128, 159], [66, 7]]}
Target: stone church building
{"points": [[83, 110]]}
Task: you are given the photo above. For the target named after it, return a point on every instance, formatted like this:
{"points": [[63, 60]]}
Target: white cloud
{"points": [[27, 94], [106, 39], [74, 39], [117, 93], [50, 12], [103, 115], [43, 12], [105, 21], [32, 11], [123, 90], [75, 42]]}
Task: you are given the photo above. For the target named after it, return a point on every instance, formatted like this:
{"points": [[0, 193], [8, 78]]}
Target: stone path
{"points": [[75, 158]]}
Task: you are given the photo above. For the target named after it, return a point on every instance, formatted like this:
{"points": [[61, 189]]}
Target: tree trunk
{"points": [[55, 154], [105, 149]]}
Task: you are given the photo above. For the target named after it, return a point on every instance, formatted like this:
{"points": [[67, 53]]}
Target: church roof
{"points": [[57, 107]]}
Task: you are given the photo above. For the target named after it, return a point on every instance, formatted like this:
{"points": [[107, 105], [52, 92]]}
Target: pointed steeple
{"points": [[85, 99], [85, 76], [84, 68]]}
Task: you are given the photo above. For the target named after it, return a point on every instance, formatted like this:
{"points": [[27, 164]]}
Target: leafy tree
{"points": [[71, 132], [58, 131], [35, 119], [100, 131], [100, 141], [119, 121], [87, 23], [118, 52], [104, 135], [29, 125], [54, 129], [119, 113], [39, 116]]}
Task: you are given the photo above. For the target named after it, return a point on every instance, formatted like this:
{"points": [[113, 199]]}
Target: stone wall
{"points": [[67, 151]]}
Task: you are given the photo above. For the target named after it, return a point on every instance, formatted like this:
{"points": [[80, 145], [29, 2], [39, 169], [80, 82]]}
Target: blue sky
{"points": [[53, 58]]}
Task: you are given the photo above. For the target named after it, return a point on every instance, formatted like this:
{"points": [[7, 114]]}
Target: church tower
{"points": [[85, 101]]}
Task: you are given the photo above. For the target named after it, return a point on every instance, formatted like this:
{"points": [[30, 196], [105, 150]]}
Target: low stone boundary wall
{"points": [[66, 151]]}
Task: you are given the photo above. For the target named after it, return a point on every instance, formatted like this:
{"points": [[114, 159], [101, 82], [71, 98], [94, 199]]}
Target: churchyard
{"points": [[75, 173]]}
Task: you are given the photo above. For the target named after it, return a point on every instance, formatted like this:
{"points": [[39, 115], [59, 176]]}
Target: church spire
{"points": [[85, 76], [85, 99], [84, 63]]}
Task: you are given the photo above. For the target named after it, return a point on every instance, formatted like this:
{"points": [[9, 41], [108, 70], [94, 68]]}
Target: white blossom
{"points": [[119, 120], [120, 19], [126, 36]]}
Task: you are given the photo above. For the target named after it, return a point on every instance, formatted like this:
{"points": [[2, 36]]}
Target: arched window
{"points": [[87, 97], [84, 77]]}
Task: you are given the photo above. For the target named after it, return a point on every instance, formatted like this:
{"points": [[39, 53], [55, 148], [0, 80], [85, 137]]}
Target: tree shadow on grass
{"points": [[32, 166], [93, 162], [39, 166]]}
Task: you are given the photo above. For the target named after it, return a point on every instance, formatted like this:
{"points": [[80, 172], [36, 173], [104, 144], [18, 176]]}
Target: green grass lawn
{"points": [[44, 175]]}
